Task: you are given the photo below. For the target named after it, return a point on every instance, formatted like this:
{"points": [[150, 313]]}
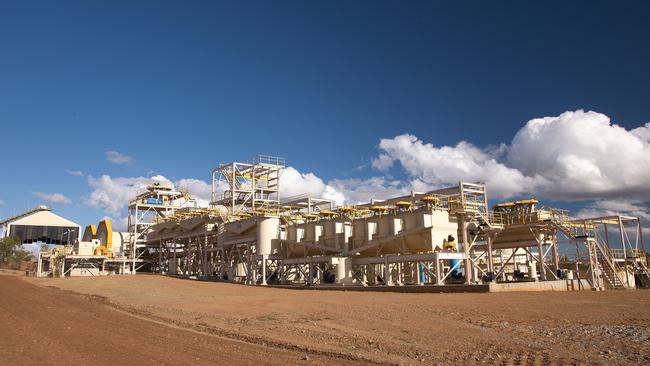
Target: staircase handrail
{"points": [[607, 256]]}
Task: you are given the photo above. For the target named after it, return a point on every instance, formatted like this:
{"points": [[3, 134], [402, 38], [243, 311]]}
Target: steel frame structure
{"points": [[252, 186], [492, 245], [158, 202]]}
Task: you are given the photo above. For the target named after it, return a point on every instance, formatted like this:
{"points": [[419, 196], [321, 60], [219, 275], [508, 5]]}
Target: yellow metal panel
{"points": [[105, 231], [90, 232]]}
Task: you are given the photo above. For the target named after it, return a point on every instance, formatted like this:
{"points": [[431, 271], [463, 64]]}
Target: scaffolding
{"points": [[159, 201], [253, 187]]}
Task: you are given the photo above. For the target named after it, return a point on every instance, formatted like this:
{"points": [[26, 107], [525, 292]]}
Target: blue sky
{"points": [[181, 86]]}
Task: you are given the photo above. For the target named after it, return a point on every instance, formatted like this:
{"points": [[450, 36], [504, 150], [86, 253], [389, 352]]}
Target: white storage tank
{"points": [[268, 229], [343, 270], [120, 241]]}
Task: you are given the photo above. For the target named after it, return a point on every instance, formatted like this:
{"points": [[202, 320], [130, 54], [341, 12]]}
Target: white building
{"points": [[41, 225]]}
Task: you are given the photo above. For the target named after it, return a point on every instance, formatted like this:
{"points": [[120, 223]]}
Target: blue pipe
{"points": [[455, 267], [422, 274]]}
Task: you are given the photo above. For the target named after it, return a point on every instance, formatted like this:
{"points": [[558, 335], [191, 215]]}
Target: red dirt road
{"points": [[46, 326], [270, 325]]}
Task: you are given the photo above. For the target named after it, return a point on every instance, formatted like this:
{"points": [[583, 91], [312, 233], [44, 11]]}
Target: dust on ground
{"points": [[533, 328]]}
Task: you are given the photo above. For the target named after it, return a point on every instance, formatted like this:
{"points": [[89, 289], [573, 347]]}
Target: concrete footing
{"points": [[532, 286], [559, 285]]}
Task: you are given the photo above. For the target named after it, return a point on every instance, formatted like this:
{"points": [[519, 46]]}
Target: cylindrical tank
{"points": [[532, 271], [119, 241], [267, 231], [344, 271]]}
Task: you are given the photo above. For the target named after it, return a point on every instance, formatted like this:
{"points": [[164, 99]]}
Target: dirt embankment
{"points": [[609, 328]]}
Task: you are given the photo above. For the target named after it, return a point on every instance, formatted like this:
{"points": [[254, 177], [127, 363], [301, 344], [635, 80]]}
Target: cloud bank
{"points": [[575, 156], [113, 194]]}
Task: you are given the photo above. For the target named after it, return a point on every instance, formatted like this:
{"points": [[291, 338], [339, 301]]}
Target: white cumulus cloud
{"points": [[583, 155], [340, 191], [112, 194], [431, 167], [617, 207], [574, 156], [52, 197], [614, 208], [354, 191], [198, 189], [116, 157], [643, 132], [295, 183]]}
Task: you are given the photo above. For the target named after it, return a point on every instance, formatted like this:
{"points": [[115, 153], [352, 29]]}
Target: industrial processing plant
{"points": [[318, 183], [447, 239]]}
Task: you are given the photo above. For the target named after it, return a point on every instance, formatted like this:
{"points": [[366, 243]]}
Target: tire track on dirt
{"points": [[206, 329]]}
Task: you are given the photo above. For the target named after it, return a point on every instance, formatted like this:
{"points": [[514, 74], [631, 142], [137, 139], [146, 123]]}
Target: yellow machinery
{"points": [[378, 209], [310, 216], [105, 236], [431, 200], [328, 214], [449, 244], [403, 205], [527, 205]]}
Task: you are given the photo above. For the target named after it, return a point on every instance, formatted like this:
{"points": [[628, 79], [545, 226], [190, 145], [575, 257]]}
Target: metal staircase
{"points": [[561, 220], [602, 259], [606, 264], [480, 220]]}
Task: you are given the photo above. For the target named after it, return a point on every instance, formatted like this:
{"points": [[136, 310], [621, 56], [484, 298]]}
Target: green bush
{"points": [[10, 251]]}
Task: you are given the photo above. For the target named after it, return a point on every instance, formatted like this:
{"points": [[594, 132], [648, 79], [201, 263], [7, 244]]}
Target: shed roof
{"points": [[39, 216]]}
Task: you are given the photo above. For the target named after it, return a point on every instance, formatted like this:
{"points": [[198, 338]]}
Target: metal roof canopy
{"points": [[39, 216]]}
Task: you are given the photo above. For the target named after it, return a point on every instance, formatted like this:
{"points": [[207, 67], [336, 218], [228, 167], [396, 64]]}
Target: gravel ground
{"points": [[535, 328]]}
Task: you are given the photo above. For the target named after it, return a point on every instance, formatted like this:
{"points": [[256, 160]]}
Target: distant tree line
{"points": [[11, 255]]}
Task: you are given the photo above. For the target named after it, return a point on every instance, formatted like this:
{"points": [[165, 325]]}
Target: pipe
{"points": [[423, 276]]}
